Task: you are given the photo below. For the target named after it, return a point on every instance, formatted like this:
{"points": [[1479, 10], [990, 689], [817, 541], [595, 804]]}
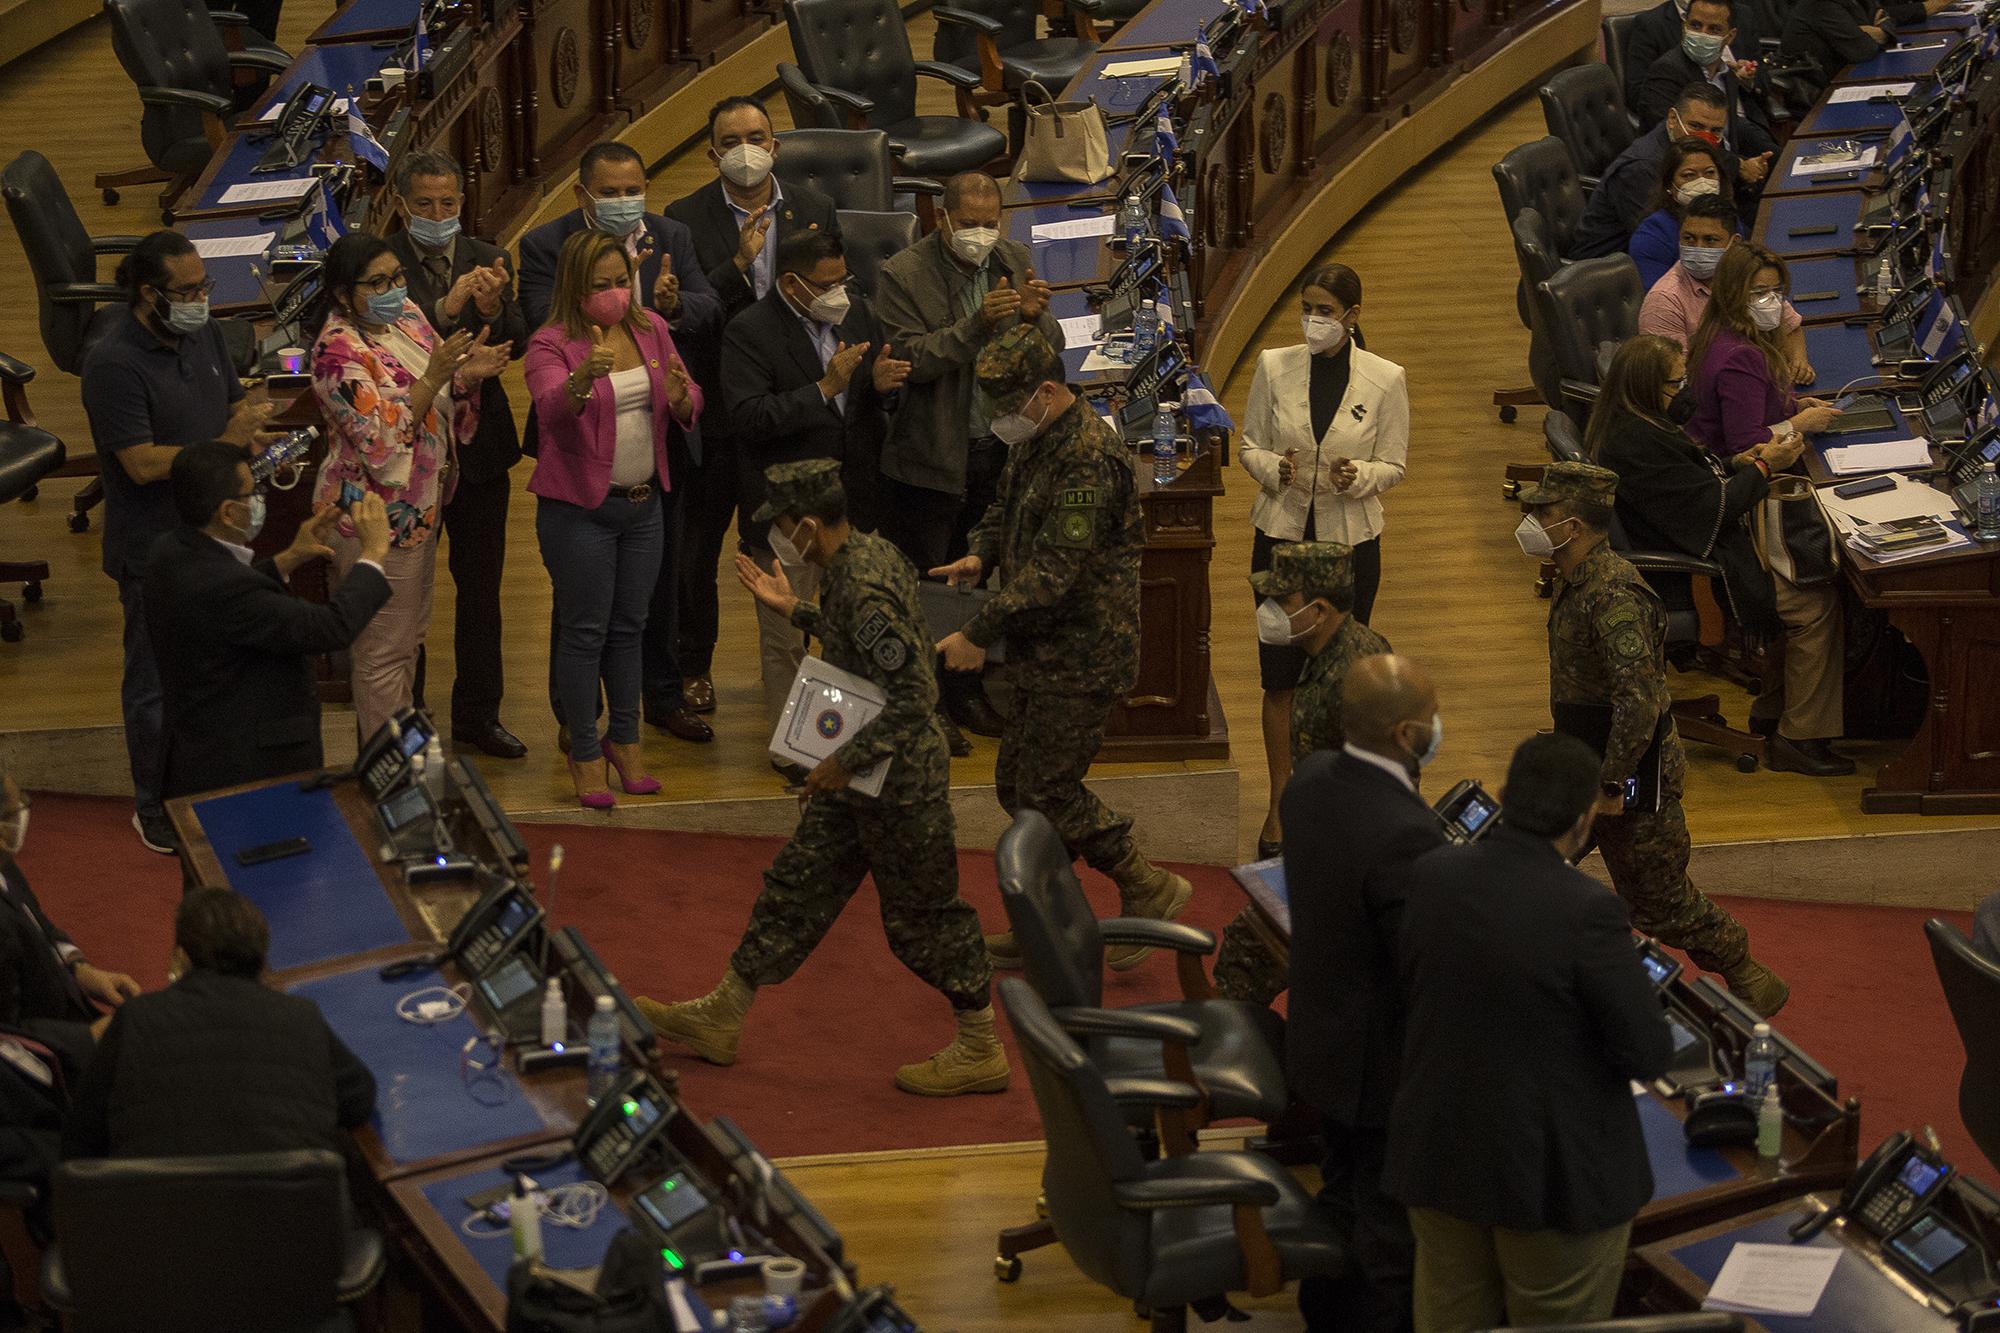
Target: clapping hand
{"points": [[750, 242], [667, 289], [889, 373], [310, 543], [773, 590], [1000, 302], [1755, 169], [445, 360], [680, 396], [246, 423], [490, 283], [1035, 297], [485, 360], [840, 369], [1344, 473]]}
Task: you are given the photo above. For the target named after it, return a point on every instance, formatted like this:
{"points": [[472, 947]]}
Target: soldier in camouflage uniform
{"points": [[1607, 645], [1315, 578], [1065, 536], [868, 623]]}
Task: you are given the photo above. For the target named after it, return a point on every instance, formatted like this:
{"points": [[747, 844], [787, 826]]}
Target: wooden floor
{"points": [[1456, 592]]}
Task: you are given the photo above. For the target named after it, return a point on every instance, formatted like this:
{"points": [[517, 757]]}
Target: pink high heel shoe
{"points": [[601, 799], [643, 785]]}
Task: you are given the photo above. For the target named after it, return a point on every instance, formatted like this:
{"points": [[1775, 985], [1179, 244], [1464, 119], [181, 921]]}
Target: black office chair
{"points": [[853, 168], [1106, 16], [1672, 575], [870, 239], [856, 55], [1584, 107], [1534, 255], [28, 454], [174, 51], [1972, 988], [1694, 1321], [1616, 30], [1581, 307], [1541, 176], [1171, 1232], [192, 1244], [996, 39], [1236, 1055]]}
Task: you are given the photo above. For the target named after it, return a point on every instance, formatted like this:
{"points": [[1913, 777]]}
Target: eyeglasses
{"points": [[1759, 293], [834, 286], [197, 292], [1677, 383], [383, 282]]}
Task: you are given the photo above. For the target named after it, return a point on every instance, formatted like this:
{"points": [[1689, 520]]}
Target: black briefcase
{"points": [[947, 609]]}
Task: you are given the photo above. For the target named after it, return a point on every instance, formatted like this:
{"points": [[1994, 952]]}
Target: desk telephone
{"points": [[623, 1127], [504, 919], [304, 117], [385, 759]]}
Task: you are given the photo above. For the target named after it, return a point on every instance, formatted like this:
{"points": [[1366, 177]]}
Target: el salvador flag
{"points": [[1165, 142], [1204, 410], [1163, 306], [1254, 8], [1203, 60], [1173, 223]]}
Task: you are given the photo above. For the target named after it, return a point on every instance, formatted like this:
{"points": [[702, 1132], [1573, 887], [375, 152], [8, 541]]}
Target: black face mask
{"points": [[1680, 408]]}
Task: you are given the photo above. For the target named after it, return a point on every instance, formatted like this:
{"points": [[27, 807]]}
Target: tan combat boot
{"points": [[710, 1026], [974, 1062], [1757, 986], [1145, 890], [1002, 951]]}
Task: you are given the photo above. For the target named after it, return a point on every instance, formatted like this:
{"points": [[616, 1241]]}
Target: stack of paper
{"points": [[1773, 1279], [1082, 330], [1827, 160], [1868, 92], [1074, 229], [1909, 499], [234, 247], [1125, 69], [1878, 456]]}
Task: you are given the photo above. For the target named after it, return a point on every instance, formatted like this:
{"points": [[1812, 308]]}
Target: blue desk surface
{"points": [[1839, 354], [363, 18], [1840, 210], [1071, 304], [1061, 263], [1834, 274], [1853, 117], [342, 68], [235, 283], [1784, 182], [323, 904], [424, 1106], [245, 151], [1163, 25], [1677, 1168], [562, 1247], [1857, 1299], [1894, 64]]}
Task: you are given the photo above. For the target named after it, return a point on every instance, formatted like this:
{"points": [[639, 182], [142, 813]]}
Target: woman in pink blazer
{"points": [[607, 386]]}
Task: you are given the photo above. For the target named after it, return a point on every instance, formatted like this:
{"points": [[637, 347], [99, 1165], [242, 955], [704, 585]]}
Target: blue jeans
{"points": [[144, 708], [603, 563]]}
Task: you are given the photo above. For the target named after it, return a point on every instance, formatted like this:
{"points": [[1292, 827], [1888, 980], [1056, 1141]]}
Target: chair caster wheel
{"points": [[11, 631], [1509, 414], [110, 197], [79, 523], [1005, 1269], [1746, 763], [31, 592], [1510, 490]]}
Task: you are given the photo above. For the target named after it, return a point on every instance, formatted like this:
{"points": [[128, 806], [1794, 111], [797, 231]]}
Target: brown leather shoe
{"points": [[699, 694], [680, 721]]}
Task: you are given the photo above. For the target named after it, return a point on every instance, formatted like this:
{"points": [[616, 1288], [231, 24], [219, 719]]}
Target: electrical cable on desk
{"points": [[575, 1206], [445, 1003]]}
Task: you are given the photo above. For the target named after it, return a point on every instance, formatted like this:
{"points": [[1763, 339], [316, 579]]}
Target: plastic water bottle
{"points": [[1885, 280], [1134, 223], [603, 1049], [1770, 1125], [1166, 451], [1989, 504], [434, 779], [1760, 1063], [1145, 331], [555, 1015], [524, 1219]]}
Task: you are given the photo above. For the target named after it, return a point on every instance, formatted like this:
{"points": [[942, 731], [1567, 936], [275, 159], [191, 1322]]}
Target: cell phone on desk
{"points": [[1820, 229], [1801, 297], [272, 851], [1854, 490]]}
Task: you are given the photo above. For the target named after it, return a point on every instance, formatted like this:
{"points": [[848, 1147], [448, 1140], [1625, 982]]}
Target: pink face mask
{"points": [[607, 307]]}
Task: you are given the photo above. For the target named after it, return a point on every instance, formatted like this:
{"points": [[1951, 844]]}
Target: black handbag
{"points": [[1797, 539], [631, 1295]]}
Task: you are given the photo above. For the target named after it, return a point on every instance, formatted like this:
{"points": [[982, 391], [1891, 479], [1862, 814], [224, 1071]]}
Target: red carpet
{"points": [[664, 910]]}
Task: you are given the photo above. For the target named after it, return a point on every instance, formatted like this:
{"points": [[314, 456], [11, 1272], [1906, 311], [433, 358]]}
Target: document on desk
{"points": [[1082, 330], [1074, 229], [1919, 46], [234, 247], [1851, 460], [1772, 1279], [1868, 92], [1128, 69], [1910, 499], [258, 192], [827, 706], [1816, 164]]}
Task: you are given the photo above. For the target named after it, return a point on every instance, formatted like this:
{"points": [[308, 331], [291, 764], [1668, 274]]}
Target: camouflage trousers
{"points": [[1245, 968], [1046, 746], [912, 851], [1647, 856]]}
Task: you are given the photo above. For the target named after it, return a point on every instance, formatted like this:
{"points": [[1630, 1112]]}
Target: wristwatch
{"points": [[1612, 789]]}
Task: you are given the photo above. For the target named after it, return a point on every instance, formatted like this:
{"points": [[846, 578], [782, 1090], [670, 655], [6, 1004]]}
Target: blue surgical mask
{"points": [[387, 307], [255, 525], [1701, 47], [1700, 260], [433, 233], [618, 215], [185, 317]]}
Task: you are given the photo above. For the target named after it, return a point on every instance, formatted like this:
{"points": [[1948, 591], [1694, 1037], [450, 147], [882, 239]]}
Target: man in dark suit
{"points": [[1514, 1140], [462, 283], [806, 375], [1703, 55], [611, 196], [47, 991], [1352, 817], [1626, 193], [738, 221], [1658, 30], [235, 648]]}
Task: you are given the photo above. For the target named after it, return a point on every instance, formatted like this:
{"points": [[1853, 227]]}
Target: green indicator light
{"points": [[670, 1185], [673, 1258], [631, 1108]]}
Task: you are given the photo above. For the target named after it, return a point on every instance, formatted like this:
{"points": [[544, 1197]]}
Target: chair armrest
{"points": [[224, 17], [1196, 1192], [1589, 183], [361, 1263], [271, 62], [77, 293], [916, 185], [1152, 1092], [1672, 562], [1581, 390], [114, 245], [1156, 934], [16, 373], [1080, 1020], [1094, 8], [856, 107], [185, 97], [951, 74], [965, 18]]}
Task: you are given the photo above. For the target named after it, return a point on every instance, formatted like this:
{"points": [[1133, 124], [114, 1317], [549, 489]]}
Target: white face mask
{"points": [[1534, 539], [830, 307], [1322, 334], [746, 165], [14, 832], [1274, 623], [784, 548], [1767, 311], [1689, 191], [1431, 747], [1012, 428], [973, 244]]}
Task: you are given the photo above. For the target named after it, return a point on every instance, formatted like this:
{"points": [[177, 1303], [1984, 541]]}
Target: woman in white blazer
{"points": [[1326, 433]]}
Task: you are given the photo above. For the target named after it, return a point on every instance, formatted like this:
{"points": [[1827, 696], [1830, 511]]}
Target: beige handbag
{"points": [[1065, 140]]}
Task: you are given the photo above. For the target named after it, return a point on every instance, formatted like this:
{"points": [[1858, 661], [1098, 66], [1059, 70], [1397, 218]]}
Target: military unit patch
{"points": [[890, 653], [871, 628]]}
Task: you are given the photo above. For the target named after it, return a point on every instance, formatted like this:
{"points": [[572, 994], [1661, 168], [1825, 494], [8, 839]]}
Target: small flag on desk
{"points": [[420, 42], [1173, 223], [1253, 8], [1163, 307], [1202, 61], [1203, 409], [1165, 142], [366, 147]]}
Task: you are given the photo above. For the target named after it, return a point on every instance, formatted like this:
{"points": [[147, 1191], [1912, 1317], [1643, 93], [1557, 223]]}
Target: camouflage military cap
{"points": [[1317, 569], [1014, 365], [1572, 481], [794, 488]]}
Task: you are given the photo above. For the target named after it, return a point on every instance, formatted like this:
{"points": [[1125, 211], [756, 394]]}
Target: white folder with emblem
{"points": [[822, 713]]}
